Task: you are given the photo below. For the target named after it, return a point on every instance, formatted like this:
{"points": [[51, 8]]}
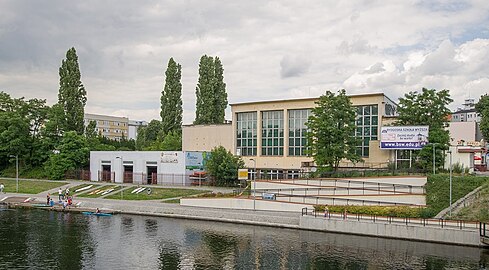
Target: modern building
{"points": [[112, 127], [467, 113], [146, 167], [271, 135]]}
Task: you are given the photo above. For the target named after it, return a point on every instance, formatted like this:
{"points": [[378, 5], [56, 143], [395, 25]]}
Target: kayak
{"points": [[97, 214]]}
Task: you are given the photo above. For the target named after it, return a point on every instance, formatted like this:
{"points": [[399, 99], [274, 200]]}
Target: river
{"points": [[38, 239]]}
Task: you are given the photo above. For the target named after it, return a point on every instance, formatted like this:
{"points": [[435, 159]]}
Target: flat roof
{"points": [[304, 99]]}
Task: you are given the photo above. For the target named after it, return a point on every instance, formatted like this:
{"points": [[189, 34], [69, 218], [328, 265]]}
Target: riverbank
{"points": [[291, 220]]}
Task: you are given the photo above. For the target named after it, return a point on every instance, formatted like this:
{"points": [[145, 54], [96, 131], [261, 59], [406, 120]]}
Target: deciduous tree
{"points": [[482, 108], [223, 167], [430, 108], [331, 129]]}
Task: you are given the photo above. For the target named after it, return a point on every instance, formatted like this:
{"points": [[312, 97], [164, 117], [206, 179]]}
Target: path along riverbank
{"points": [[468, 235]]}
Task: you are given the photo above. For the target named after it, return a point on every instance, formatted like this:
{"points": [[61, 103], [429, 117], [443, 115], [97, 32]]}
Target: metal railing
{"points": [[351, 183], [425, 222], [314, 199], [484, 232]]}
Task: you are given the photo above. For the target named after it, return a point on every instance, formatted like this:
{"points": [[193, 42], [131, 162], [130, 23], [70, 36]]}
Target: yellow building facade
{"points": [[112, 127], [271, 135]]}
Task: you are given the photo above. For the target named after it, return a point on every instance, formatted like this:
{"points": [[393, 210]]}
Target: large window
{"points": [[246, 133], [297, 131], [367, 127], [272, 133]]}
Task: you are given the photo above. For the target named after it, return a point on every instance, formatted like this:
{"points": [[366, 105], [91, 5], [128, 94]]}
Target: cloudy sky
{"points": [[270, 49]]}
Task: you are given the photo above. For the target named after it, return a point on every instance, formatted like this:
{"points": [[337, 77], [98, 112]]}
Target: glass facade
{"points": [[297, 131], [367, 127], [272, 140], [246, 135]]}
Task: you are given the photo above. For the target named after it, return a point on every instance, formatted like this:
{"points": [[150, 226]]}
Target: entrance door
{"points": [[128, 170], [106, 173], [152, 174]]}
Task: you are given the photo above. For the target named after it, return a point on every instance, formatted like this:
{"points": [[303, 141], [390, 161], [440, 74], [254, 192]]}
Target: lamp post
{"points": [[254, 183], [122, 175], [450, 153], [434, 152], [16, 171]]}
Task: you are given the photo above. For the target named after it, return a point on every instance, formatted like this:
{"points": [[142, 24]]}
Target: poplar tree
{"points": [[210, 92], [171, 99], [72, 96], [220, 95]]}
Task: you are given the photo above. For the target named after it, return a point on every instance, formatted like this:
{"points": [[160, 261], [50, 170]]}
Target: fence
{"points": [[78, 175], [425, 222]]}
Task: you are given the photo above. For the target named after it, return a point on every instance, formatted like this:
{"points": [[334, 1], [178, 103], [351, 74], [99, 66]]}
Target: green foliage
{"points": [[386, 211], [331, 126], [210, 92], [223, 167], [172, 142], [430, 107], [72, 96], [171, 99], [73, 154], [438, 189], [482, 107]]}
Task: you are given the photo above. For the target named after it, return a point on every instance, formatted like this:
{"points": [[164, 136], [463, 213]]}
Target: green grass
{"points": [[156, 194], [30, 186], [478, 210], [437, 198], [104, 188], [438, 190], [173, 201]]}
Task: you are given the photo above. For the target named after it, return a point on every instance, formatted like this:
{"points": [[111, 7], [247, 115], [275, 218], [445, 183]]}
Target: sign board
{"points": [[243, 174], [169, 157], [196, 160], [404, 137]]}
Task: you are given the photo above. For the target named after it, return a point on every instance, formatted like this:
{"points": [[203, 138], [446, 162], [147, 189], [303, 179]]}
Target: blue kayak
{"points": [[97, 214]]}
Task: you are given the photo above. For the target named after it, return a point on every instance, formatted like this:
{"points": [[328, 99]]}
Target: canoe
{"points": [[40, 205], [107, 191], [141, 190], [136, 190], [97, 214], [83, 188]]}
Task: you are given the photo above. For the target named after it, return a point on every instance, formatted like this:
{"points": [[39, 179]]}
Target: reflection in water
{"points": [[38, 239]]}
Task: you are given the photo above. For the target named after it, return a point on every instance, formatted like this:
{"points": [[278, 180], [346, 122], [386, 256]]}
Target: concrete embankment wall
{"points": [[265, 218], [399, 231], [240, 204]]}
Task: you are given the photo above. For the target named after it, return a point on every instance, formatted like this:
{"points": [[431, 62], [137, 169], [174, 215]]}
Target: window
{"points": [[297, 131], [367, 127], [272, 138], [246, 133]]}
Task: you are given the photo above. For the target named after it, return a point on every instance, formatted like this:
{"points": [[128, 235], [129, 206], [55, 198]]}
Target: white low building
{"points": [[147, 167]]}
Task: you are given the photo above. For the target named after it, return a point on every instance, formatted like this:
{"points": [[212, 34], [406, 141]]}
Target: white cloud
{"points": [[270, 50]]}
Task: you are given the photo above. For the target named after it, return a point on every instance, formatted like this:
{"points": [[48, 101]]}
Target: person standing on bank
{"points": [[2, 187], [60, 194]]}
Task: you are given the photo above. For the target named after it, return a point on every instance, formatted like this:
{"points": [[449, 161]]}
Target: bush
{"points": [[388, 211]]}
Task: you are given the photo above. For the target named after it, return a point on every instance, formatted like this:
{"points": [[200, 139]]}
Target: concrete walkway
{"points": [[159, 208]]}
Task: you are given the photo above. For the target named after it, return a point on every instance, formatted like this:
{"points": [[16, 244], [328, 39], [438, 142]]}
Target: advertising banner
{"points": [[404, 137]]}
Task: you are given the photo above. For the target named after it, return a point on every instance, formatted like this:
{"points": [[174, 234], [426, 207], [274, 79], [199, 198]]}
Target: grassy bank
{"points": [[478, 209], [30, 186], [156, 193], [437, 198]]}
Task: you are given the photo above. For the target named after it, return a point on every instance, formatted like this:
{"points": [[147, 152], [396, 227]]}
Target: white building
{"points": [[146, 167], [134, 127]]}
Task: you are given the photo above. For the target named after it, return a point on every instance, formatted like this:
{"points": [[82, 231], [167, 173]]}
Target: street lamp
{"points": [[450, 153], [434, 164], [254, 183], [16, 171], [122, 175]]}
